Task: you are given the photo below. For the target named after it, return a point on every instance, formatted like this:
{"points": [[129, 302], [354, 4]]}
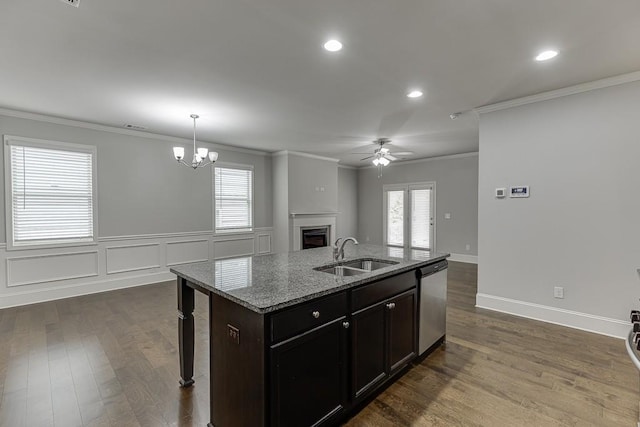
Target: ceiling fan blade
{"points": [[404, 153], [366, 158], [390, 157]]}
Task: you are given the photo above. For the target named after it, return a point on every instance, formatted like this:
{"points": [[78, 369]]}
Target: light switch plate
{"points": [[501, 193]]}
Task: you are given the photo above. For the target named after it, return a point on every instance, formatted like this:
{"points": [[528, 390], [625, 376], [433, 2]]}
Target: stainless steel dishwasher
{"points": [[433, 305]]}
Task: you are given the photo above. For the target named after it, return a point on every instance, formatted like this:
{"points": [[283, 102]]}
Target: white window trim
{"points": [[230, 165], [10, 140], [407, 220]]}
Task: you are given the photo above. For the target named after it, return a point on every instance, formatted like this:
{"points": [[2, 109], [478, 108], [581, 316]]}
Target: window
{"points": [[233, 198], [408, 215], [50, 193]]}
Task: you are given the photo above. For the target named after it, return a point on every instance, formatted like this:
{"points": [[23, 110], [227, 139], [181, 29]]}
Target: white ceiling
{"points": [[256, 73]]}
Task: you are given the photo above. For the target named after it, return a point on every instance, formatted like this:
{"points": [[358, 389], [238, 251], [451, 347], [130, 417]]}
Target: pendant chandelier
{"points": [[201, 157]]}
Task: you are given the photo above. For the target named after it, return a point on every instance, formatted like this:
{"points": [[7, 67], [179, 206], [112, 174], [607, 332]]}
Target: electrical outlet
{"points": [[366, 239], [447, 215], [558, 292], [468, 247], [234, 334]]}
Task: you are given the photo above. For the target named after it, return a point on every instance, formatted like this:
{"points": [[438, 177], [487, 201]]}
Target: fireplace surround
{"points": [[307, 221]]}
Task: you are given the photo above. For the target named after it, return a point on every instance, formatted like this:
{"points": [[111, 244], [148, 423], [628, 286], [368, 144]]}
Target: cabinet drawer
{"points": [[307, 315], [372, 293]]}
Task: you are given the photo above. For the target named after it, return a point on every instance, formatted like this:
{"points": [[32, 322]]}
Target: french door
{"points": [[408, 215]]}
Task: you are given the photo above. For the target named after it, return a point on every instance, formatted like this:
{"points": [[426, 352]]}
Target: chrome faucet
{"points": [[338, 252]]}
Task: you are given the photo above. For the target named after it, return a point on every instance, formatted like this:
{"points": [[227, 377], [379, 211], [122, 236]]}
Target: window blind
{"points": [[420, 218], [395, 218], [233, 198], [51, 195]]}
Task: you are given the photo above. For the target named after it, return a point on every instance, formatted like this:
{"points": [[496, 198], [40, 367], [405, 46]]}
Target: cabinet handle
{"points": [[345, 325], [391, 305], [316, 314]]}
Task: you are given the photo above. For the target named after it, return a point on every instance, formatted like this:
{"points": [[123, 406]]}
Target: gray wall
{"points": [[347, 218], [280, 168], [307, 177], [141, 188], [456, 181], [580, 228]]}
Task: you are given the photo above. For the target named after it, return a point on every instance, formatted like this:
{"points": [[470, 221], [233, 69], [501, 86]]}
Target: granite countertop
{"points": [[265, 283]]}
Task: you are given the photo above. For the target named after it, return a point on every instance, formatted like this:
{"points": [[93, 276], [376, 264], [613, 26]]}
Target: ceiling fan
{"points": [[382, 155]]}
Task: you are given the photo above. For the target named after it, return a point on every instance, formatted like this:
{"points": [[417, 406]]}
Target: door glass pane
{"points": [[395, 218], [421, 218]]}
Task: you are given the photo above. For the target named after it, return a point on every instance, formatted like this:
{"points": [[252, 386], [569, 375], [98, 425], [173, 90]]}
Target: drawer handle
{"points": [[391, 305], [316, 314], [345, 325]]}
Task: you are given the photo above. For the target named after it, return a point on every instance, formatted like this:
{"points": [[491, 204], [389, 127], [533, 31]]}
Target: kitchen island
{"points": [[293, 345]]}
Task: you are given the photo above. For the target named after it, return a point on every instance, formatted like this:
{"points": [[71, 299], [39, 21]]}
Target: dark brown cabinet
{"points": [[383, 341], [368, 349], [309, 376], [402, 311], [313, 363]]}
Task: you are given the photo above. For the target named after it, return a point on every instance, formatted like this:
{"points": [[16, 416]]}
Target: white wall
{"points": [[347, 218], [152, 213], [580, 229], [456, 179]]}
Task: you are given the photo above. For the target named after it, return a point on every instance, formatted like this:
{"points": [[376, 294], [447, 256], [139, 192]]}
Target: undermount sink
{"points": [[354, 267], [368, 264], [339, 270]]}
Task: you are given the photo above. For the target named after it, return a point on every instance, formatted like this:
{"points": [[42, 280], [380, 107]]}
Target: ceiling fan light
{"points": [[384, 161], [376, 161], [384, 150]]}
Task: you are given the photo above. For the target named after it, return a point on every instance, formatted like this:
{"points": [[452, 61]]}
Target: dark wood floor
{"points": [[111, 360]]}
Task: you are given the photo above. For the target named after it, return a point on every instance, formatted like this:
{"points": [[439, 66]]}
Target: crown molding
{"points": [[558, 93], [301, 154], [348, 167], [7, 112], [426, 159]]}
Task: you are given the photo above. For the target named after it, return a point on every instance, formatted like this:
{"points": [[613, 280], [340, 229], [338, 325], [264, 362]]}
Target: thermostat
{"points": [[519, 191], [501, 193]]}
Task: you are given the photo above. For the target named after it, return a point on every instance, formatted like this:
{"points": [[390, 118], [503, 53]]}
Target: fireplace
{"points": [[323, 221], [314, 237]]}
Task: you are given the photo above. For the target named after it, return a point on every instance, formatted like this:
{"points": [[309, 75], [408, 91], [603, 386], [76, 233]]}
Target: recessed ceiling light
{"points": [[414, 94], [333, 45], [546, 55]]}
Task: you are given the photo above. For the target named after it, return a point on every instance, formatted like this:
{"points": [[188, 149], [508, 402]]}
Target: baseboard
{"points": [[469, 259], [43, 295], [573, 319]]}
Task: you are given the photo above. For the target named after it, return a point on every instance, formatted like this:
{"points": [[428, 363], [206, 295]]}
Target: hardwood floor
{"points": [[111, 359]]}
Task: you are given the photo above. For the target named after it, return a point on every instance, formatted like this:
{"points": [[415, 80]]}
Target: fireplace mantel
{"points": [[303, 214]]}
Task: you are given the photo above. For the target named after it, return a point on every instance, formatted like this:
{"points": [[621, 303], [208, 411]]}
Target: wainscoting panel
{"points": [[231, 247], [36, 275], [121, 259], [187, 251], [29, 270], [263, 243]]}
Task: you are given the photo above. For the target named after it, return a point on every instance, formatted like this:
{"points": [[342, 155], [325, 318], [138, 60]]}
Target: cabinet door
{"points": [[368, 367], [308, 376], [402, 329]]}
